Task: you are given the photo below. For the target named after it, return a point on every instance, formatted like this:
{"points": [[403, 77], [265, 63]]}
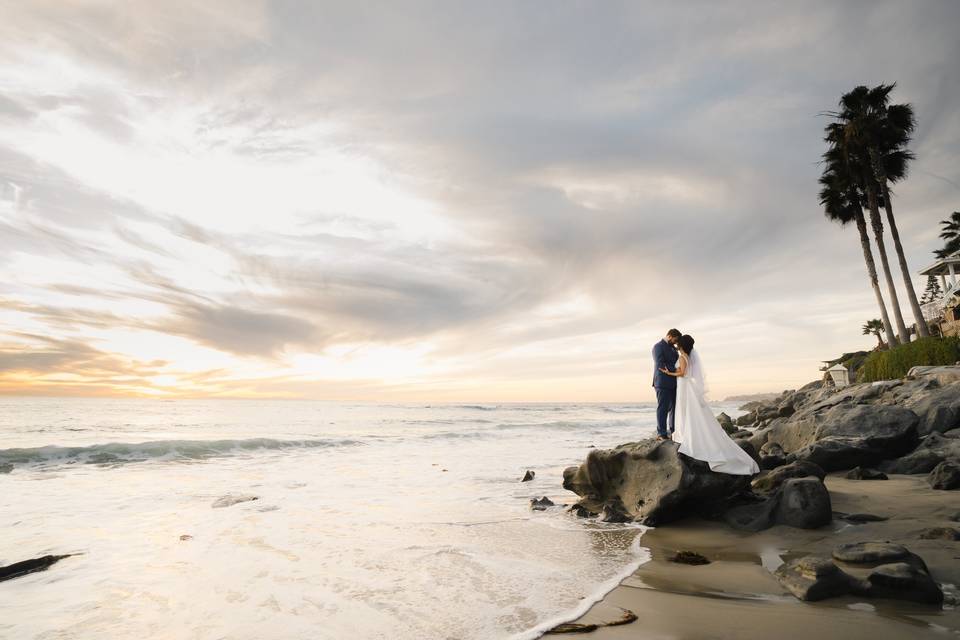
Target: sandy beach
{"points": [[737, 595]]}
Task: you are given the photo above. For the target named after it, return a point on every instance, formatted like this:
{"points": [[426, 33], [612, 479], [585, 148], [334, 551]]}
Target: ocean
{"points": [[371, 520]]}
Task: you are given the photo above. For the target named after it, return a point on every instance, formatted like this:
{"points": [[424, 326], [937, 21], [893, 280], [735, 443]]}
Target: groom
{"points": [[665, 356]]}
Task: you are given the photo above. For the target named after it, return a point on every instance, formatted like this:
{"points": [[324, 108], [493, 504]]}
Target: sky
{"points": [[450, 201]]}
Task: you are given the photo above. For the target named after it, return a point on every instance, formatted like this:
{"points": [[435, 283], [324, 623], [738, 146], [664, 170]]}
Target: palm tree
{"points": [[874, 327], [851, 135], [951, 234], [892, 125], [843, 202]]}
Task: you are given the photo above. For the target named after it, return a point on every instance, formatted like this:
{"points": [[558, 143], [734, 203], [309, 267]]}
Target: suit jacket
{"points": [[664, 355]]}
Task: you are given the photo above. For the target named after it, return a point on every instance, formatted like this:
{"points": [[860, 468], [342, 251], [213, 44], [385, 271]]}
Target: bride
{"points": [[700, 435]]}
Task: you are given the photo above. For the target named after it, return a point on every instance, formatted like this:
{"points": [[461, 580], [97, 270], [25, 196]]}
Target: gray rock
{"points": [[945, 476], [233, 498], [786, 410], [6, 467], [528, 476], [870, 552], [772, 480], [648, 481], [541, 504], [903, 581], [942, 374], [865, 473], [916, 462], [814, 578], [938, 409], [837, 434], [772, 456], [741, 433], [940, 533], [726, 422], [804, 503]]}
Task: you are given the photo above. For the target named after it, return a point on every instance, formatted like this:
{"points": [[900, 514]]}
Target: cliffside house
{"points": [[945, 311]]}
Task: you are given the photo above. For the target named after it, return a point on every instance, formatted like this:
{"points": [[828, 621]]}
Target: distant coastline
{"points": [[751, 397]]}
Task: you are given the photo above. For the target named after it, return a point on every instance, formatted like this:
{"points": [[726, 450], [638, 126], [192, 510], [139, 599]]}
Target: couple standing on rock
{"points": [[683, 413]]}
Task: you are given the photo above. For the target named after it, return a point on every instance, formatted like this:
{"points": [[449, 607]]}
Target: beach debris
{"points": [[233, 498], [689, 557], [625, 617], [945, 476], [185, 537], [33, 565], [541, 504], [528, 476], [6, 467], [940, 533], [865, 473]]}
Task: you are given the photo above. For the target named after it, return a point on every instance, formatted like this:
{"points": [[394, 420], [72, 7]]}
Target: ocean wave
{"points": [[123, 452]]}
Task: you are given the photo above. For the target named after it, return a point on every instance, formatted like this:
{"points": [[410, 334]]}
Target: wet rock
{"points": [[33, 565], [581, 512], [772, 480], [870, 552], [940, 533], [689, 557], [6, 467], [903, 581], [865, 473], [648, 481], [527, 477], [804, 503], [726, 422], [541, 504], [945, 476], [233, 498], [814, 578]]}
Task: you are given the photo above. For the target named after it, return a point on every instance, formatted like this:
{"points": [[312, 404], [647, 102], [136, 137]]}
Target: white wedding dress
{"points": [[700, 435]]}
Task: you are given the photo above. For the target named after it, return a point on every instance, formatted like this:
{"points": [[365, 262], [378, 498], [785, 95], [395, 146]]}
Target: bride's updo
{"points": [[686, 343]]}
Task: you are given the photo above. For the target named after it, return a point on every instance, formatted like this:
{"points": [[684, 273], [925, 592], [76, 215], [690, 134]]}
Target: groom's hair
{"points": [[673, 333]]}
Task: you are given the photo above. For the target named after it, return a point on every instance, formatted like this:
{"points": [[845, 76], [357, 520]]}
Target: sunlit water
{"points": [[373, 521]]}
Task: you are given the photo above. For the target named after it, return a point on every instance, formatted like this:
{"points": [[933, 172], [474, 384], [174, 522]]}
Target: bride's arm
{"points": [[681, 368]]}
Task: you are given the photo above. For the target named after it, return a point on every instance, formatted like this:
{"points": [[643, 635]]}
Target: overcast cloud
{"points": [[471, 201]]}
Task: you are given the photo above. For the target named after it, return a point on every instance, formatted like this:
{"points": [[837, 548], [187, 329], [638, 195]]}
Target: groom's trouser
{"points": [[666, 400]]}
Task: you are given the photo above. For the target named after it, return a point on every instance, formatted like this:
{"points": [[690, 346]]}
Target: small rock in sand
{"points": [[689, 557], [233, 498], [186, 537], [541, 504], [945, 476], [861, 518], [865, 473], [940, 533], [528, 476]]}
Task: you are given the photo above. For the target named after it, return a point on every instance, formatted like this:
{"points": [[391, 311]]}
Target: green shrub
{"points": [[896, 362]]}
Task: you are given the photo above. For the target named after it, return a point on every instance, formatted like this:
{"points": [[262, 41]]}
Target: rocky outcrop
{"points": [[648, 482], [941, 374], [938, 408], [772, 480], [932, 450], [896, 573]]}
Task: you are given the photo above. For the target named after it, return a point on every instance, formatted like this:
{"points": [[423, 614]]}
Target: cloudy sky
{"points": [[443, 201]]}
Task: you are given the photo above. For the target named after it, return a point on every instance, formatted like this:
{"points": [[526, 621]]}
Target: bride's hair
{"points": [[686, 343]]}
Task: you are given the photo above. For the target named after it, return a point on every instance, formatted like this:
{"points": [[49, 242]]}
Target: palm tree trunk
{"points": [[879, 340], [877, 225], [872, 272], [908, 283]]}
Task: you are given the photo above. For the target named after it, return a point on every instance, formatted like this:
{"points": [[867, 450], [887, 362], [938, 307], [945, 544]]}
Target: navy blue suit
{"points": [[665, 356]]}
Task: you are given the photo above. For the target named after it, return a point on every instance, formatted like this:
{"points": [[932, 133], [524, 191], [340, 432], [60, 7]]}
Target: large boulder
{"points": [[813, 578], [649, 482], [932, 450], [943, 375], [938, 409], [770, 482], [798, 502], [845, 435]]}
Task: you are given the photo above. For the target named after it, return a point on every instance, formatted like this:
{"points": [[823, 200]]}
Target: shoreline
{"points": [[737, 595]]}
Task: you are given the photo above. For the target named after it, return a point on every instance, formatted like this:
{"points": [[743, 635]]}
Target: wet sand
{"points": [[737, 596]]}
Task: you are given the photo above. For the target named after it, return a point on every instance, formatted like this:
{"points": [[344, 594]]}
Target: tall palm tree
{"points": [[951, 234], [890, 130], [850, 136], [874, 327], [843, 202]]}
